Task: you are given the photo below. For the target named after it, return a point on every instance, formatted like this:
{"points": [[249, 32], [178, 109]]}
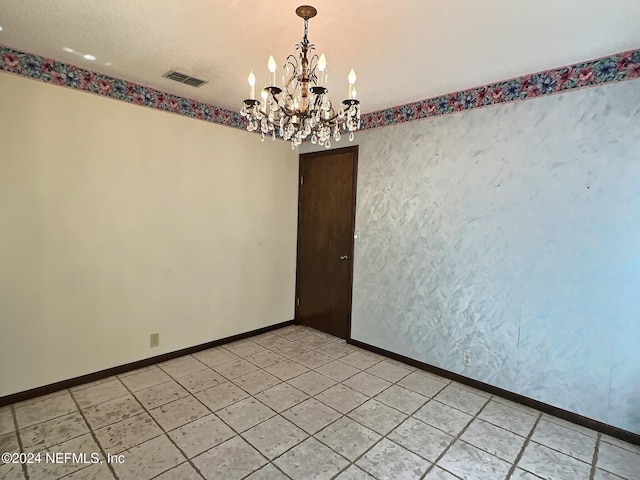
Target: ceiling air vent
{"points": [[183, 78]]}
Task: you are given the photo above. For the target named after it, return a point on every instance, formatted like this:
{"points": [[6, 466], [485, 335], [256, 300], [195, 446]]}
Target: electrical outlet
{"points": [[154, 340], [466, 358]]}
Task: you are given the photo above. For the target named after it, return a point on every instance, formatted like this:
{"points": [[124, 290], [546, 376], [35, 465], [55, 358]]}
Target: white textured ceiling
{"points": [[402, 50]]}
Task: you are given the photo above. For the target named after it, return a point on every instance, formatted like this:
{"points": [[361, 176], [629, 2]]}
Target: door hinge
{"points": [[297, 302], [301, 181]]}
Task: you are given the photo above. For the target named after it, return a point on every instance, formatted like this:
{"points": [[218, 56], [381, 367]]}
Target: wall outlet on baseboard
{"points": [[466, 358], [154, 341]]}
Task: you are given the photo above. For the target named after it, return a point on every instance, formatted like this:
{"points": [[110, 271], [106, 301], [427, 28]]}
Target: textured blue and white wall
{"points": [[511, 232]]}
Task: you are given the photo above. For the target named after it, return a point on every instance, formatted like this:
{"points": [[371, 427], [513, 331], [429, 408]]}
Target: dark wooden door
{"points": [[326, 222]]}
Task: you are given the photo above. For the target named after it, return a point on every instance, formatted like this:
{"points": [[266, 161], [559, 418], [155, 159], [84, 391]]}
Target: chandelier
{"points": [[301, 108]]}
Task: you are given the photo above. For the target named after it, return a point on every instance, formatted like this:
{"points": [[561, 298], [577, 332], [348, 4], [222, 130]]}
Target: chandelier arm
{"points": [[330, 120], [282, 109], [313, 66], [286, 113], [293, 61], [287, 106], [273, 124]]}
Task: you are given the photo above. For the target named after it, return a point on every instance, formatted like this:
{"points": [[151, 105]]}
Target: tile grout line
{"points": [[44, 421], [206, 367], [239, 434], [15, 426], [93, 435], [58, 418], [446, 384], [188, 460], [227, 380], [345, 415], [87, 406], [342, 415], [214, 414], [390, 431], [456, 438], [555, 449], [308, 436], [524, 446], [433, 464], [574, 427], [594, 461], [279, 414], [541, 414], [42, 398]]}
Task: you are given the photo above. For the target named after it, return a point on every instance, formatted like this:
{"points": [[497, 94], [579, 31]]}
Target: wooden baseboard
{"points": [[514, 397], [92, 377]]}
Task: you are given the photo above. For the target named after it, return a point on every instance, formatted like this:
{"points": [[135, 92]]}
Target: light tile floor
{"points": [[299, 404]]}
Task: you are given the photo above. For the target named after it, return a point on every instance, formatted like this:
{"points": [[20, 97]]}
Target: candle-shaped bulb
{"points": [[352, 77], [271, 65], [352, 81], [252, 85], [322, 66], [322, 63]]}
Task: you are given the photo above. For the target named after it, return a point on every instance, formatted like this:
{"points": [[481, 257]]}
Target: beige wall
{"points": [[118, 221]]}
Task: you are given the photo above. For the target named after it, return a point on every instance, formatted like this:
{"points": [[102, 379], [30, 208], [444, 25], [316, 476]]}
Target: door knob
{"points": [[344, 257]]}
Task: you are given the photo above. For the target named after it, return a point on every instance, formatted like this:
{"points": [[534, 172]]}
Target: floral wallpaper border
{"points": [[59, 73], [613, 68]]}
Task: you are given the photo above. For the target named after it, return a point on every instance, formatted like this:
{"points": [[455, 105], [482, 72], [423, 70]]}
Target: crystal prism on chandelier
{"points": [[301, 108]]}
